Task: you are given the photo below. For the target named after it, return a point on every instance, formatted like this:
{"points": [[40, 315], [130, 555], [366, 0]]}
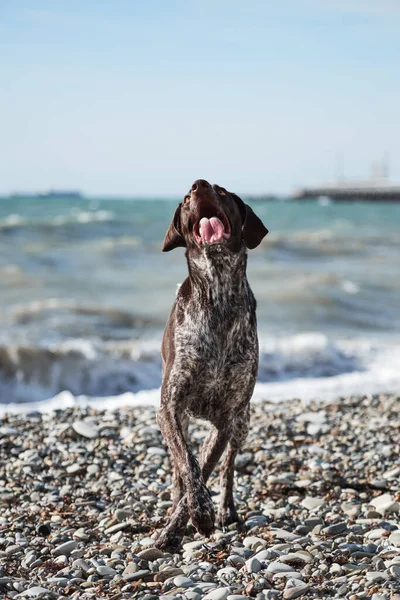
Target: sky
{"points": [[140, 98]]}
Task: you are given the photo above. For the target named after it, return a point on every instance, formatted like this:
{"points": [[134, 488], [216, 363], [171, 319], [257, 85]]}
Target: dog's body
{"points": [[210, 352]]}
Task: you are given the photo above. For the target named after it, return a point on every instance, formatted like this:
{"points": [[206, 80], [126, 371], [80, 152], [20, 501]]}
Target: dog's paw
{"points": [[227, 516], [168, 541], [201, 511]]}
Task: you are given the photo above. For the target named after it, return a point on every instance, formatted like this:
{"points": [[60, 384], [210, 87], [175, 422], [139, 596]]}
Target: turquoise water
{"points": [[93, 270], [330, 268]]}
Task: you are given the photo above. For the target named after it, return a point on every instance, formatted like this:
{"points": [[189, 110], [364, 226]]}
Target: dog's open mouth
{"points": [[211, 231]]}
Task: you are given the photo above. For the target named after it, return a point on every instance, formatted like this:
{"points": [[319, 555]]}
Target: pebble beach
{"points": [[84, 494]]}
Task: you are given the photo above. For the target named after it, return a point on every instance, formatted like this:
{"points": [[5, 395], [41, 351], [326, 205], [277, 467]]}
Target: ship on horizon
{"points": [[73, 194], [376, 189]]}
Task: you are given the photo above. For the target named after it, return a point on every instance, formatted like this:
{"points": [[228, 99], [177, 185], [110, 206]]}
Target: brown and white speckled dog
{"points": [[210, 352]]}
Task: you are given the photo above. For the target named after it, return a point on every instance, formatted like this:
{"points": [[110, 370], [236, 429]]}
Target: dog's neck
{"points": [[216, 272]]}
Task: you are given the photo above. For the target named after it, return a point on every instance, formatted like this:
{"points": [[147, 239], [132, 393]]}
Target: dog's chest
{"points": [[216, 350]]}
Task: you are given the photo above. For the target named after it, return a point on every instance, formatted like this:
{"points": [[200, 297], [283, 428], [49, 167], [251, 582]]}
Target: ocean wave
{"points": [[15, 221], [296, 245], [380, 374], [307, 355], [93, 370], [31, 373], [40, 310]]}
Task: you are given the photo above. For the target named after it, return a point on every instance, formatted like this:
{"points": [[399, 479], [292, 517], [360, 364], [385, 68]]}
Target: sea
{"points": [[85, 292]]}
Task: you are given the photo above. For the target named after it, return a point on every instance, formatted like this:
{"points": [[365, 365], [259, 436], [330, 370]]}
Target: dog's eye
{"points": [[186, 200], [221, 192]]}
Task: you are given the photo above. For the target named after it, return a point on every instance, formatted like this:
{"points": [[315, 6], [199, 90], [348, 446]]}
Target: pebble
{"points": [[395, 571], [85, 429], [375, 576], [218, 594], [150, 554], [385, 504], [351, 509], [43, 529], [312, 503], [297, 590], [106, 571], [87, 526], [394, 538], [64, 549], [35, 592], [253, 565], [137, 575], [167, 573], [182, 581], [278, 567], [335, 529]]}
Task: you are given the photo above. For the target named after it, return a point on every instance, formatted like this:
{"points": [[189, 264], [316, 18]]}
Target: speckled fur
{"points": [[210, 362]]}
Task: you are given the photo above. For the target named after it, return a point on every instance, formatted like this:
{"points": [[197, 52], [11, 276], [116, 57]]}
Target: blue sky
{"points": [[142, 97]]}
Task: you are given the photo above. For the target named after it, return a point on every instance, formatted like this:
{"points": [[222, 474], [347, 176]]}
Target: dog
{"points": [[209, 353]]}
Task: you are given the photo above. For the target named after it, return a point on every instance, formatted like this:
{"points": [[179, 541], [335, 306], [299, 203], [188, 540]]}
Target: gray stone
{"points": [[79, 563], [182, 581], [167, 573], [191, 595], [116, 528], [236, 560], [156, 451], [375, 576], [106, 571], [252, 541], [335, 529], [253, 565], [64, 549], [150, 554], [290, 593], [218, 594], [35, 592], [75, 468], [278, 567], [385, 504], [351, 509], [85, 429], [311, 503], [376, 534], [136, 576], [282, 534], [297, 558], [394, 538], [190, 546], [395, 571]]}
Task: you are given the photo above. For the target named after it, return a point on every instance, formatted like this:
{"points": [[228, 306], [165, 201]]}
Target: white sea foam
{"points": [[11, 221], [303, 366], [78, 216]]}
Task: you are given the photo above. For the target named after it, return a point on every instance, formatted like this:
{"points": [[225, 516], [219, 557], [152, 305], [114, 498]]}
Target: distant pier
{"points": [[351, 193]]}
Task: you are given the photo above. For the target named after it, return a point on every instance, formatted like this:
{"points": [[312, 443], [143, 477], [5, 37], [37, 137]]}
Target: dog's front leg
{"points": [[199, 503], [178, 484], [227, 512]]}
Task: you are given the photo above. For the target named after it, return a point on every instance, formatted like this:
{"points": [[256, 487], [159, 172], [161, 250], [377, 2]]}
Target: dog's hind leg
{"points": [[227, 512]]}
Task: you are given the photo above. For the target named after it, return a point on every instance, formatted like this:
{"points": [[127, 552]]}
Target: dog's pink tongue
{"points": [[212, 230]]}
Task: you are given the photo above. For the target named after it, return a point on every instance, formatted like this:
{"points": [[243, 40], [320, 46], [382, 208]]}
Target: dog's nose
{"points": [[199, 185]]}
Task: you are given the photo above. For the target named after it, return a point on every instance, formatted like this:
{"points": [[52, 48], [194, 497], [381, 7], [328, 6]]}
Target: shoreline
{"points": [[85, 492]]}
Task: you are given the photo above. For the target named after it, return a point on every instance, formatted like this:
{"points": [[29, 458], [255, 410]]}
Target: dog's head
{"points": [[210, 215]]}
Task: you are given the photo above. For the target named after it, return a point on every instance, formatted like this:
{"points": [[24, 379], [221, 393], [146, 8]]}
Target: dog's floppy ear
{"points": [[254, 229], [173, 237]]}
